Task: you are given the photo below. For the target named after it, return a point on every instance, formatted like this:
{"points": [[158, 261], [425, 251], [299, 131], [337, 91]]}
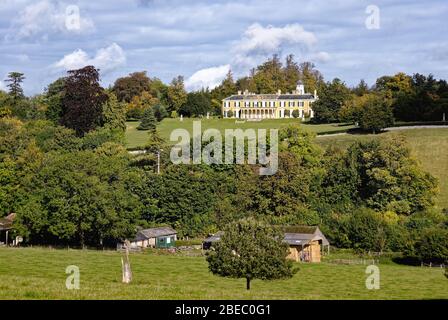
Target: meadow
{"points": [[37, 273]]}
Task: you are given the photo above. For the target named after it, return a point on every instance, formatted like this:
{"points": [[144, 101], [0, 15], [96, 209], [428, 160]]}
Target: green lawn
{"points": [[136, 138], [429, 146], [40, 274]]}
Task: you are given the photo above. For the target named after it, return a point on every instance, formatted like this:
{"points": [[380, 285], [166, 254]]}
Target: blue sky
{"points": [[201, 40]]}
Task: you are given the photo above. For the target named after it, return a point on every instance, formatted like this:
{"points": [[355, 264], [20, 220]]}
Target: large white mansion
{"points": [[270, 106]]}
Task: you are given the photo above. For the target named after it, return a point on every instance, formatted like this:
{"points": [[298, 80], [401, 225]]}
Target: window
{"points": [[168, 240]]}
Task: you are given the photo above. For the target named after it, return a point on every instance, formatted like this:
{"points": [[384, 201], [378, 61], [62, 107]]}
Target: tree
{"points": [[176, 94], [149, 121], [332, 97], [296, 114], [139, 104], [114, 113], [198, 104], [361, 89], [15, 80], [376, 114], [269, 76], [292, 74], [81, 198], [160, 112], [53, 96], [433, 245], [252, 250], [133, 85], [390, 179], [82, 103], [310, 76]]}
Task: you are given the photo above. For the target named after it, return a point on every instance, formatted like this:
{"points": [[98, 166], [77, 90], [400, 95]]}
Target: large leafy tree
{"points": [[251, 250], [133, 85], [376, 114], [53, 96], [198, 104], [390, 178], [176, 94], [332, 97], [82, 103], [311, 77], [269, 76]]}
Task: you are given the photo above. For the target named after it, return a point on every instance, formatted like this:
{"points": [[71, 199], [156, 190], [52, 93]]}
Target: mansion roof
{"points": [[237, 97]]}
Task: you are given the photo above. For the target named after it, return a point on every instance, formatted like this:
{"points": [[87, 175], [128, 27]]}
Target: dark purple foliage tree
{"points": [[83, 100]]}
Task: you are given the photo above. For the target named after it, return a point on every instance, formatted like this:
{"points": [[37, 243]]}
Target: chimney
{"points": [[239, 92], [246, 92]]}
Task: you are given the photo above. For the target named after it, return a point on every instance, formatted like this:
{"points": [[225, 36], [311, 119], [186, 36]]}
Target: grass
{"points": [[136, 138], [429, 146], [35, 273]]}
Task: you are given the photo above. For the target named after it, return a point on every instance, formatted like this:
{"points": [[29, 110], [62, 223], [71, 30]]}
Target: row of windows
{"points": [[265, 104]]}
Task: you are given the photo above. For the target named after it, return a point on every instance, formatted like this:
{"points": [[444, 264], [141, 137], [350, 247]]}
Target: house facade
{"points": [[270, 106]]}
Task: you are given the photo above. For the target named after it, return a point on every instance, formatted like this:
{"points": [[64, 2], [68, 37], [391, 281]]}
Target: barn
{"points": [[306, 243], [163, 237], [6, 226]]}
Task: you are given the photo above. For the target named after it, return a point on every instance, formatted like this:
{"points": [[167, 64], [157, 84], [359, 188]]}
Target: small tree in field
{"points": [[149, 121], [376, 115], [252, 250]]}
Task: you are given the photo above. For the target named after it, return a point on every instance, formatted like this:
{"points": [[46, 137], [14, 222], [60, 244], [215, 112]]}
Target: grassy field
{"points": [[40, 274], [429, 146], [136, 138]]}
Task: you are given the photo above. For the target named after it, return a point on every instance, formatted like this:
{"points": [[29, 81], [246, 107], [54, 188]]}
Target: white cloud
{"points": [[45, 17], [106, 59], [2, 85], [259, 42], [256, 45], [207, 78], [321, 56]]}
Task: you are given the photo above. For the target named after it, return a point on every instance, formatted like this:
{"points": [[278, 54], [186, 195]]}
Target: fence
{"points": [[354, 261], [434, 265]]}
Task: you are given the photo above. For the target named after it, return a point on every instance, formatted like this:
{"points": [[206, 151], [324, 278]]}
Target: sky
{"points": [[202, 40]]}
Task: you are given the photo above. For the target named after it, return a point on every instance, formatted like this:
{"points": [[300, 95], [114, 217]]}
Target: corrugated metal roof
{"points": [[155, 232], [294, 235], [6, 223]]}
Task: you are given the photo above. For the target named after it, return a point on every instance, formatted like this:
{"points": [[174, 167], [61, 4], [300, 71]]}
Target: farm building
{"points": [[209, 241], [5, 227], [163, 237], [306, 244]]}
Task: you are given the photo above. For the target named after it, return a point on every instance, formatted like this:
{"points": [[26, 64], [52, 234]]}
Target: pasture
{"points": [[36, 273]]}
